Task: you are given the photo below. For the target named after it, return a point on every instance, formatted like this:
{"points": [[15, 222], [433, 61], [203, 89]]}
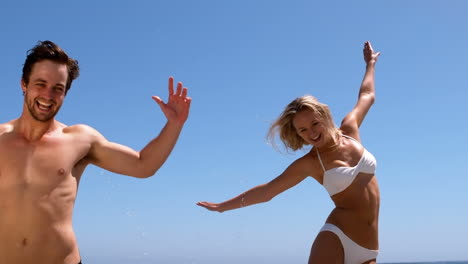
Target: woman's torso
{"points": [[348, 175]]}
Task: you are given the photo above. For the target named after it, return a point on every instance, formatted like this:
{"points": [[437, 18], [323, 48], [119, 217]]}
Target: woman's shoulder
{"points": [[350, 133], [310, 163]]}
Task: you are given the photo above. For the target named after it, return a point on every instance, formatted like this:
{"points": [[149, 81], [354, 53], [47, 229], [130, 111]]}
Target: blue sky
{"points": [[243, 61]]}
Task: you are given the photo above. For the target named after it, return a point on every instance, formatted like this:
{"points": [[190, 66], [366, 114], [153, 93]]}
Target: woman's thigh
{"points": [[326, 248]]}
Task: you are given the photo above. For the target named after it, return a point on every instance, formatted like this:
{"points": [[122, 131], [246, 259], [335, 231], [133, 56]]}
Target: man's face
{"points": [[44, 93]]}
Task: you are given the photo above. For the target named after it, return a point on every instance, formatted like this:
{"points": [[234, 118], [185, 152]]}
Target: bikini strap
{"points": [[320, 159], [346, 136]]}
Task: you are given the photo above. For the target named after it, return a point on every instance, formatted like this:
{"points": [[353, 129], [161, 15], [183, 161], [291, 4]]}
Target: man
{"points": [[42, 160]]}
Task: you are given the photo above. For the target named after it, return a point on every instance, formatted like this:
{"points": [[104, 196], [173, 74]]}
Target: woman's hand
{"points": [[210, 206], [370, 57]]}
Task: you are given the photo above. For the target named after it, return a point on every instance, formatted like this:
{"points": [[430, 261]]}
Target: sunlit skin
{"points": [[45, 91], [312, 129], [357, 207], [42, 160]]}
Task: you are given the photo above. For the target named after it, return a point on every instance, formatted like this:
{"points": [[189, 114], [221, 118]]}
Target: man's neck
{"points": [[34, 130]]}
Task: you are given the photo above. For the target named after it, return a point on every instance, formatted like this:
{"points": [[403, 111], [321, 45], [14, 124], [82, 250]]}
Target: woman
{"points": [[340, 163]]}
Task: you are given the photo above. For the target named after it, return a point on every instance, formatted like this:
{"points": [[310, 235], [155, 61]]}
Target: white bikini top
{"points": [[337, 179]]}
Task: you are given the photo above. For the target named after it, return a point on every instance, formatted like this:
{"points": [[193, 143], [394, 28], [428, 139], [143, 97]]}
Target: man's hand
{"points": [[177, 108]]}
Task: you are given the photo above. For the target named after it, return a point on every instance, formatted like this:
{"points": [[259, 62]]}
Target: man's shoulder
{"points": [[80, 130], [6, 127]]}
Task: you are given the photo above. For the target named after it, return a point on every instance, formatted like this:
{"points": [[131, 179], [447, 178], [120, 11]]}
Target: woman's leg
{"points": [[327, 248]]}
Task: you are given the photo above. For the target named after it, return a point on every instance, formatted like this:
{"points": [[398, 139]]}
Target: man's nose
{"points": [[48, 92]]}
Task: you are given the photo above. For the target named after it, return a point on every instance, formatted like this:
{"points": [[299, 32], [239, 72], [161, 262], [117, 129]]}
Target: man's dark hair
{"points": [[48, 50]]}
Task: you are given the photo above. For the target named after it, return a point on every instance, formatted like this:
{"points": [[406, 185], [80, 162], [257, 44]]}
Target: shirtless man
{"points": [[42, 160]]}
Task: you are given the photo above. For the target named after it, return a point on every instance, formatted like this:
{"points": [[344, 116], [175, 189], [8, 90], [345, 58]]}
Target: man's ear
{"points": [[23, 85]]}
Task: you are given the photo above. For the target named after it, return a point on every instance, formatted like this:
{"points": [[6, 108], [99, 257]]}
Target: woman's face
{"points": [[310, 127]]}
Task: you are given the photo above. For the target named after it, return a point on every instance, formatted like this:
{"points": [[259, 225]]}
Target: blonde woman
{"points": [[340, 163]]}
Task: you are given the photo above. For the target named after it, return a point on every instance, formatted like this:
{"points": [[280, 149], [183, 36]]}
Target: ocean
{"points": [[434, 262], [232, 260]]}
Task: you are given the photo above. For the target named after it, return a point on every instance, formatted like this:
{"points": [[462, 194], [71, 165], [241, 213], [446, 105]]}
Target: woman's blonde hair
{"points": [[286, 130]]}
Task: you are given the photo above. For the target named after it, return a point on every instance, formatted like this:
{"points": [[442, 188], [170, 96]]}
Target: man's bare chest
{"points": [[43, 163]]}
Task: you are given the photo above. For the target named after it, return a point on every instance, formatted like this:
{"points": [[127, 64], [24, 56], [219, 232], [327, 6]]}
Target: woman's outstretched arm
{"points": [[294, 174], [351, 123]]}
